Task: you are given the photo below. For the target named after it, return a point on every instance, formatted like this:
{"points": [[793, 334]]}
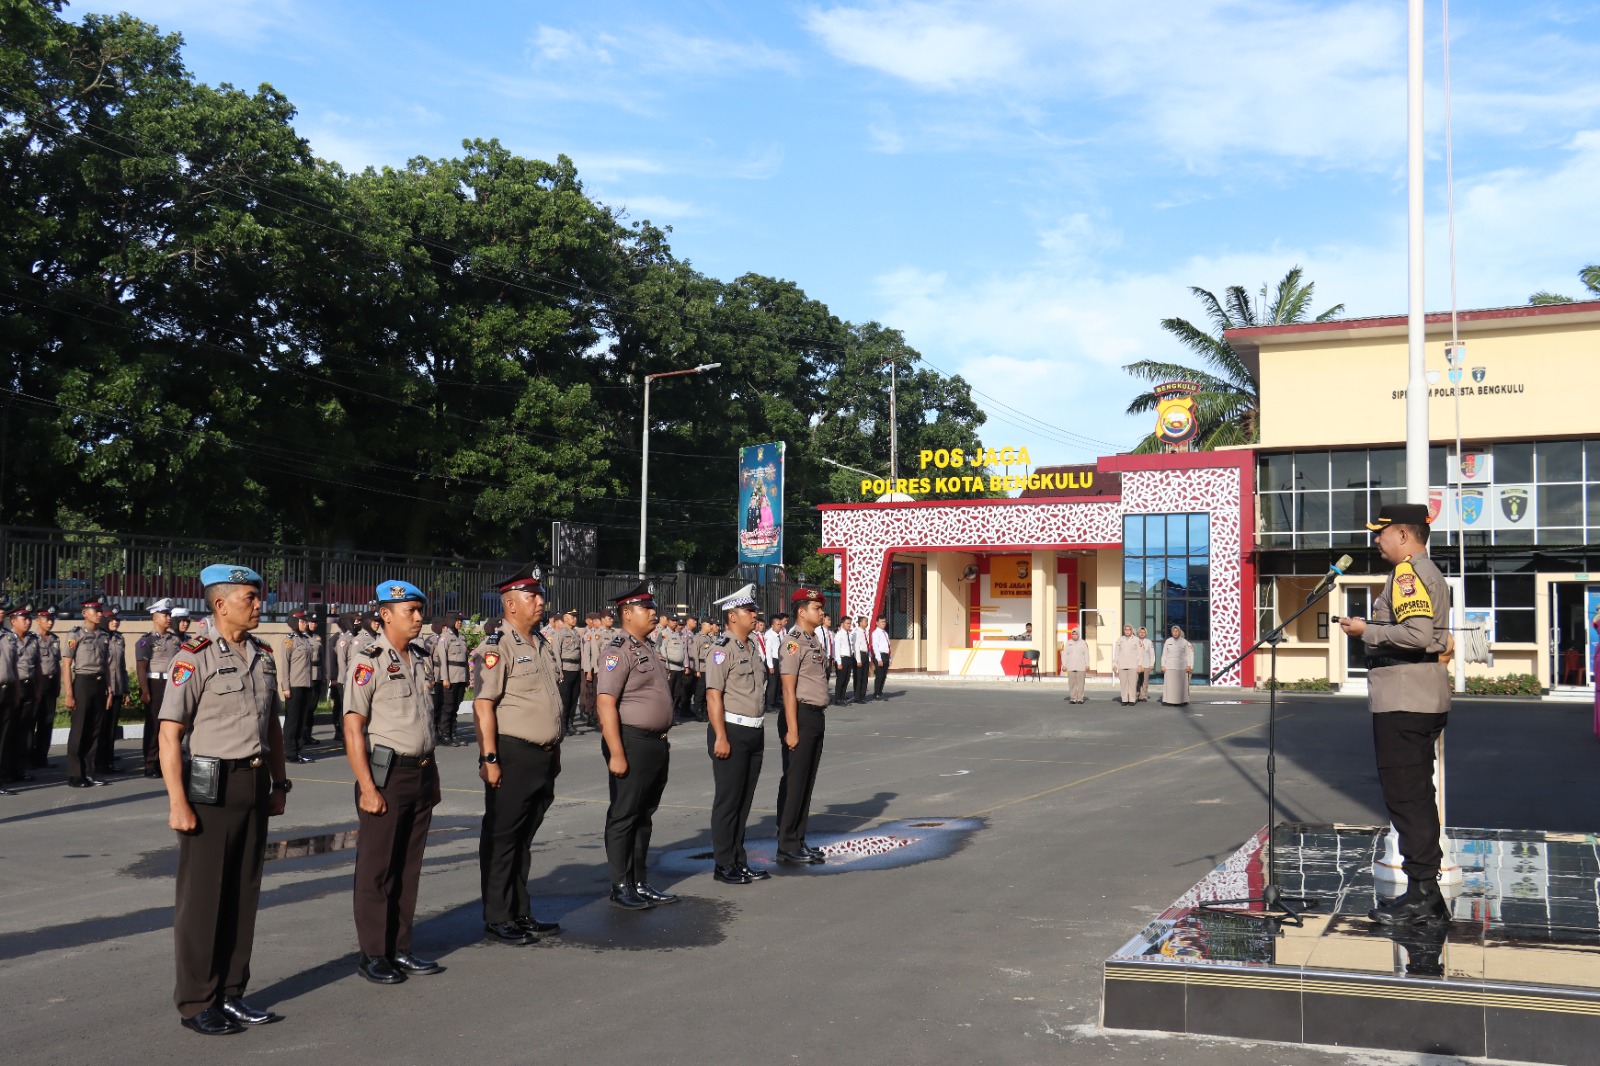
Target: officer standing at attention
{"points": [[88, 686], [1075, 659], [880, 657], [736, 701], [699, 653], [844, 662], [1408, 691], [20, 654], [517, 709], [773, 644], [805, 703], [340, 666], [450, 674], [569, 653], [389, 738], [295, 667], [223, 693], [47, 690], [318, 679], [1125, 658], [635, 714], [1147, 663], [589, 664], [152, 660], [673, 653], [105, 760]]}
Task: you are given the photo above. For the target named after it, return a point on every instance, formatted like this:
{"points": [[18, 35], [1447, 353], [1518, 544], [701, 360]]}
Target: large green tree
{"points": [[1228, 404]]}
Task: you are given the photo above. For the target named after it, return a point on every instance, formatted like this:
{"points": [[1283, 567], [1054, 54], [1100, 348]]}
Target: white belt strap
{"points": [[743, 719], [157, 677]]}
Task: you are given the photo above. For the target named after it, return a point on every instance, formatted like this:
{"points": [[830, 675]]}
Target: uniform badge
{"points": [[181, 672], [363, 674], [491, 660], [1410, 597], [719, 657], [611, 662], [791, 648]]}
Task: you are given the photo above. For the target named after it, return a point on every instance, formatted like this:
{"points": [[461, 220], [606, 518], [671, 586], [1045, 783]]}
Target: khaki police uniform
{"points": [[631, 671], [701, 646], [89, 652], [520, 676], [1075, 660], [589, 664], [152, 659], [450, 656], [675, 653], [569, 654], [295, 663], [800, 657], [226, 698], [46, 693], [105, 742], [1147, 664], [1126, 654], [734, 669], [393, 693], [317, 653], [19, 659], [1408, 691], [340, 668]]}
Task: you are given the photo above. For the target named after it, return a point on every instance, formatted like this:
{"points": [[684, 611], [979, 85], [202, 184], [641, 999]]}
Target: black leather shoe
{"points": [[85, 782], [508, 933], [412, 966], [538, 928], [151, 771], [815, 853], [4, 791], [212, 1022], [798, 858], [1422, 904], [379, 970], [651, 895], [300, 759], [244, 1014], [754, 875], [730, 875], [627, 897]]}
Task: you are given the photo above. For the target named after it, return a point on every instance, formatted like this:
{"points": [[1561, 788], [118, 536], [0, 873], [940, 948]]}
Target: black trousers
{"points": [[841, 680], [774, 691], [46, 693], [336, 701], [861, 681], [105, 742], [389, 858], [880, 674], [799, 777], [735, 780], [11, 729], [512, 814], [1405, 743], [309, 719], [634, 799], [700, 696], [89, 693], [570, 678], [219, 888], [444, 724], [681, 685], [152, 722], [295, 713]]}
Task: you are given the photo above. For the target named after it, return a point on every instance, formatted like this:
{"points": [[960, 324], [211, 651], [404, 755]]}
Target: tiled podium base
{"points": [[1516, 975]]}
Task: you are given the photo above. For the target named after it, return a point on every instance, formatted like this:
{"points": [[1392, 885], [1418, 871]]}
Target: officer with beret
{"points": [[222, 693], [1408, 691], [450, 678], [635, 708], [805, 701], [152, 660], [19, 660], [389, 740], [736, 683], [517, 710], [88, 686], [47, 690]]}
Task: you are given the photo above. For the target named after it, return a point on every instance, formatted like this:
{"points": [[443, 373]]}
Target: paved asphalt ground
{"points": [[984, 946]]}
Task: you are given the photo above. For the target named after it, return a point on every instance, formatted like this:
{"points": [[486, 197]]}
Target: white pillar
{"points": [[1044, 609]]}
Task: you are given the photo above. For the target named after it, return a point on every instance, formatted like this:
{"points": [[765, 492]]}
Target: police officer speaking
{"points": [[222, 693], [736, 684], [1408, 690]]}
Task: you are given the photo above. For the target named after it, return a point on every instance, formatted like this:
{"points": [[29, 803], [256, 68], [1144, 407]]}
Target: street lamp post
{"points": [[644, 473]]}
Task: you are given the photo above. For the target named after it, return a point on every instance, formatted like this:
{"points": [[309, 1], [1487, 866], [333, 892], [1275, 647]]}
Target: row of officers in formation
{"points": [[224, 753]]}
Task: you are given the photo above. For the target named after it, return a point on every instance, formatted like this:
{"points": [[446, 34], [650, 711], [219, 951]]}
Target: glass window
{"points": [[1438, 466], [1199, 534], [1560, 537], [1199, 621], [1133, 575], [1512, 536], [1311, 470], [1284, 540], [1594, 505], [1350, 538], [1155, 534], [1177, 525], [1199, 581], [1177, 614], [1514, 627], [1480, 592], [1560, 460], [1155, 575], [1388, 466], [1276, 512], [1560, 505], [1349, 510], [1311, 540], [1349, 470], [1133, 535], [1167, 581], [1275, 473], [1513, 590], [1311, 511], [1177, 575], [1513, 463], [1591, 452]]}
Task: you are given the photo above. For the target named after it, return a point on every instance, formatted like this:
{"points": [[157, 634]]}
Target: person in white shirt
{"points": [[843, 660], [861, 649], [880, 657], [771, 644], [825, 636]]}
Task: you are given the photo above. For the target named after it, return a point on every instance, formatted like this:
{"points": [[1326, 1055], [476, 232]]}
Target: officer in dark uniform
{"points": [[88, 685], [736, 682], [805, 702], [222, 693], [517, 709], [48, 688], [389, 740], [152, 660], [1408, 690], [635, 707], [19, 661]]}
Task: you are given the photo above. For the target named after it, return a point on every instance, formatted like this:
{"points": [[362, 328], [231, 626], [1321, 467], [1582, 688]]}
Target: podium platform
{"points": [[1516, 974]]}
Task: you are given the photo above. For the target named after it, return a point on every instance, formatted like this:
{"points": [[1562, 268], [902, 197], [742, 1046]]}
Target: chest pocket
{"points": [[229, 691], [395, 694]]}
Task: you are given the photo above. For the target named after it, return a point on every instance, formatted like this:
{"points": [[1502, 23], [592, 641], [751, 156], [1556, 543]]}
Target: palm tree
{"points": [[1229, 399], [1589, 275]]}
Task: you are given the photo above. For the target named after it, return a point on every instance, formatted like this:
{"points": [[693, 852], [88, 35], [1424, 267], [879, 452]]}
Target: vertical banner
{"points": [[761, 504]]}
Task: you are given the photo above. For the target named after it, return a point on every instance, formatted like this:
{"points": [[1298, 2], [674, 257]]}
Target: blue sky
{"points": [[1024, 187]]}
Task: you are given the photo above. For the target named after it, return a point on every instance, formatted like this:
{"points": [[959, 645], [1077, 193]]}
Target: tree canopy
{"points": [[1589, 276], [206, 329]]}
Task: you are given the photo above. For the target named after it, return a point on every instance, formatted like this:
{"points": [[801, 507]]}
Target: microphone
{"points": [[1330, 577]]}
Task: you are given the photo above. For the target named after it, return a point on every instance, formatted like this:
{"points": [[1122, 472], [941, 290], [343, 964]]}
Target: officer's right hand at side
{"points": [[722, 749], [791, 739], [372, 801], [617, 764], [182, 819], [490, 773]]}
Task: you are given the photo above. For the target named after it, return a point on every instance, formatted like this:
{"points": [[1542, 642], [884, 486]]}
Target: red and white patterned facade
{"points": [[1221, 484]]}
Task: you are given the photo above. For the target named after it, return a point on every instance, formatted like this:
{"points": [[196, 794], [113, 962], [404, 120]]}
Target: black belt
{"points": [[649, 734], [549, 745], [254, 762], [574, 663], [411, 762], [456, 662], [814, 707], [1375, 662]]}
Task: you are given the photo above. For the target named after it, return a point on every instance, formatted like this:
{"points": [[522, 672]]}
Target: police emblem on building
{"points": [[1479, 373], [1176, 423]]}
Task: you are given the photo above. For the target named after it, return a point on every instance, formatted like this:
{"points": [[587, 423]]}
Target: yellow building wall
{"points": [[1105, 584]]}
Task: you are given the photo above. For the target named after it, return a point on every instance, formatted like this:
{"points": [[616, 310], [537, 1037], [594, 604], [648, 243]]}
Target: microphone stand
{"points": [[1276, 908]]}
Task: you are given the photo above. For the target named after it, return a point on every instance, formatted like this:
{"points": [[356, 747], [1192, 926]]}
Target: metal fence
{"points": [[62, 568]]}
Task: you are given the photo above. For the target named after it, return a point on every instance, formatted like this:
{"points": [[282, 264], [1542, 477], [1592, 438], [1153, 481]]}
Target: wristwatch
{"points": [[492, 758], [284, 786]]}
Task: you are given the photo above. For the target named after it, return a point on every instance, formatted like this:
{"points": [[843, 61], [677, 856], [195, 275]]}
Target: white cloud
{"points": [[239, 21], [760, 165], [932, 45], [651, 49], [661, 210]]}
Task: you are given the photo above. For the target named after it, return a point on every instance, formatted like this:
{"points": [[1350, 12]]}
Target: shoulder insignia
{"points": [[194, 644], [263, 645], [618, 641], [792, 647], [372, 650], [1410, 597], [722, 638], [492, 638]]}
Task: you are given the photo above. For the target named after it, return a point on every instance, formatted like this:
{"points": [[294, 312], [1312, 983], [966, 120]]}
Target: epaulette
{"points": [[263, 645], [194, 644], [492, 638], [372, 650], [720, 638], [617, 641]]}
